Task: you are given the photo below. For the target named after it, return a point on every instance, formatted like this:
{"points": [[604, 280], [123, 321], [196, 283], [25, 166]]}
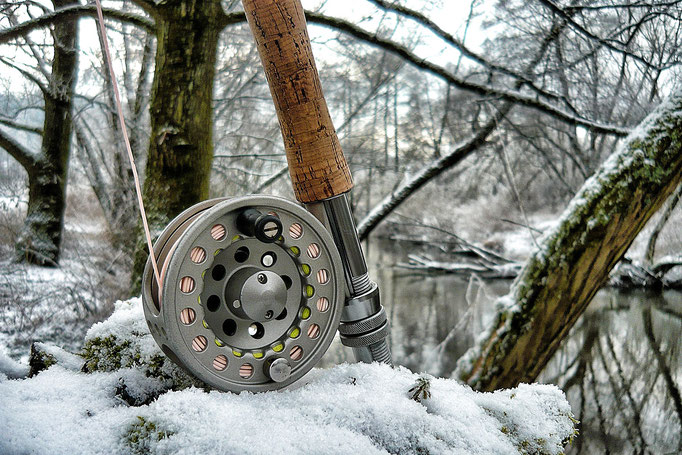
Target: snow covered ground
{"points": [[364, 409], [58, 304], [51, 305]]}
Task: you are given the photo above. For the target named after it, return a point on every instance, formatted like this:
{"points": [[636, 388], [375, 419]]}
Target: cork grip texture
{"points": [[316, 163]]}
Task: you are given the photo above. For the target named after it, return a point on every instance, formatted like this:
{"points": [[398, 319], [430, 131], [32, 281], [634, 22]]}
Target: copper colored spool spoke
{"points": [[220, 362], [218, 232], [187, 284], [188, 316], [313, 251], [296, 231], [246, 370], [199, 343], [296, 353], [313, 331], [322, 276], [197, 255], [322, 304]]}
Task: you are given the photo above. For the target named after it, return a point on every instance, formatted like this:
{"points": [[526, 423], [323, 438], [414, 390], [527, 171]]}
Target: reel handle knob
{"points": [[278, 370], [266, 228]]}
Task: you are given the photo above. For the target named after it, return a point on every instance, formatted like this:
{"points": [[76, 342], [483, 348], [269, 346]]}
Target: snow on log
{"points": [[488, 271], [358, 408], [10, 368], [574, 259]]}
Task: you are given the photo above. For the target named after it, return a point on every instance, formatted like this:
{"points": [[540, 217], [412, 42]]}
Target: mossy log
{"points": [[574, 260]]}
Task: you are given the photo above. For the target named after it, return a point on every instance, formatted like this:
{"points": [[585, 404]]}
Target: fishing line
{"points": [[107, 57]]}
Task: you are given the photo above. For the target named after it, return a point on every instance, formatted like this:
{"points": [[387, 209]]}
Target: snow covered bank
{"points": [[365, 409]]}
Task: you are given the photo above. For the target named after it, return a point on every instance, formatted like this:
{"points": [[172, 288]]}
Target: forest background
{"points": [[469, 127]]}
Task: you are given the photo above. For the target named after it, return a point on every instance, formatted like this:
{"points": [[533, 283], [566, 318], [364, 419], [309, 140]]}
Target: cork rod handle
{"points": [[316, 163]]}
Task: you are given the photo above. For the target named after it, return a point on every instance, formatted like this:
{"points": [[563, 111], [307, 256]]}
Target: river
{"points": [[620, 367]]}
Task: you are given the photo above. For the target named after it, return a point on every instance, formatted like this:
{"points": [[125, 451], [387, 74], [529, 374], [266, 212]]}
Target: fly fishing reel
{"points": [[252, 292]]}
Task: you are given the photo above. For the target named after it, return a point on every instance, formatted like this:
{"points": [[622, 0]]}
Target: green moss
{"points": [[635, 181], [106, 354], [141, 436], [575, 433], [39, 361]]}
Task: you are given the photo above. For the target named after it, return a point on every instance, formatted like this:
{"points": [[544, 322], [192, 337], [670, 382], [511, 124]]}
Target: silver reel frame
{"points": [[209, 320]]}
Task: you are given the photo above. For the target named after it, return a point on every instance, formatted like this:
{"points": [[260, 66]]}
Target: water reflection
{"points": [[621, 371], [620, 366]]}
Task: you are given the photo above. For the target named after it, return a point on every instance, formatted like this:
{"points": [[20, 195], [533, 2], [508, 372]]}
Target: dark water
{"points": [[621, 366]]}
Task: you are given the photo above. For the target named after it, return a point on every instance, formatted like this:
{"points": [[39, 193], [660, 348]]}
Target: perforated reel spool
{"points": [[238, 312]]}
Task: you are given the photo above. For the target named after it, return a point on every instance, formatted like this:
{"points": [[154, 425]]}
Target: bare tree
{"points": [[100, 151], [40, 238]]}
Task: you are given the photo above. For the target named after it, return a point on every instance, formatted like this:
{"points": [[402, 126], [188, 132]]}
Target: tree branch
{"points": [[606, 43], [673, 389], [480, 89], [459, 45], [560, 278], [20, 126], [20, 153], [63, 14], [651, 244], [27, 75], [435, 168], [233, 18]]}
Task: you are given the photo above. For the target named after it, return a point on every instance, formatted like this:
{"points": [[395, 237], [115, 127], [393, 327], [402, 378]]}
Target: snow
{"points": [[66, 359], [127, 323], [63, 296], [10, 368], [350, 408], [127, 318]]}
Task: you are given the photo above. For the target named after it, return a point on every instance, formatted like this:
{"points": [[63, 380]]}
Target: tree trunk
{"points": [[574, 260], [180, 146], [41, 236]]}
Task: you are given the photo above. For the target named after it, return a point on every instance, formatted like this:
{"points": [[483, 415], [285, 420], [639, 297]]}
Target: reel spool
{"points": [[252, 292]]}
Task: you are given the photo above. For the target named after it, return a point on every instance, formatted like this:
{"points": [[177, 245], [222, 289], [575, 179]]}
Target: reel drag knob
{"points": [[266, 228], [263, 296]]}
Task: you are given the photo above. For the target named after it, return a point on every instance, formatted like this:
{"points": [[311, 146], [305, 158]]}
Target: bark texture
{"points": [[180, 146], [316, 163], [40, 238], [573, 261]]}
